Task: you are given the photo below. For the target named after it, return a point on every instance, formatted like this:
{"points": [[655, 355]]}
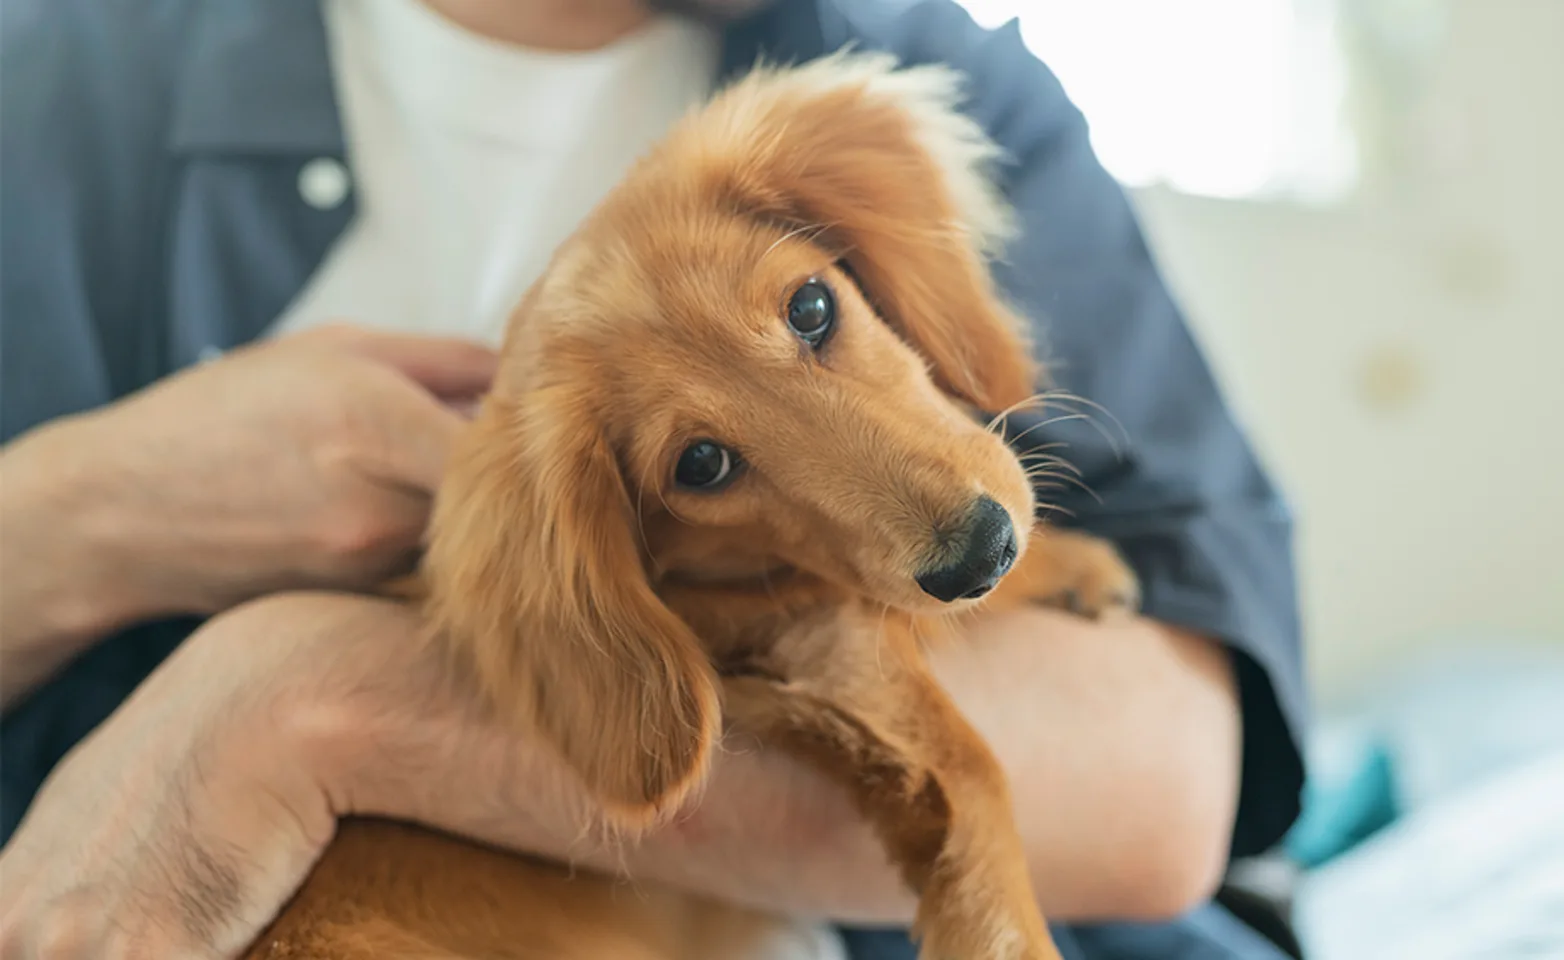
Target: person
{"points": [[256, 256]]}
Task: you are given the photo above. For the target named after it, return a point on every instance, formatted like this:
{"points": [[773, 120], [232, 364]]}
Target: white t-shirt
{"points": [[474, 159]]}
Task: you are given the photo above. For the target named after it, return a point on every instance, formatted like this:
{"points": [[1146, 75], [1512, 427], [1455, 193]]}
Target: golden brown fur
{"points": [[623, 619]]}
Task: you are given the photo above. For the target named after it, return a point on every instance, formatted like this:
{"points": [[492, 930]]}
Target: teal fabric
{"points": [[1350, 795]]}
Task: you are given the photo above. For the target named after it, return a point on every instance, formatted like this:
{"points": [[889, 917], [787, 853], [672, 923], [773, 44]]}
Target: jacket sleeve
{"points": [[1172, 478]]}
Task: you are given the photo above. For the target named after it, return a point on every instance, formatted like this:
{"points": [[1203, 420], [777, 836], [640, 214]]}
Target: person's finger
{"points": [[448, 367], [465, 407], [419, 433]]}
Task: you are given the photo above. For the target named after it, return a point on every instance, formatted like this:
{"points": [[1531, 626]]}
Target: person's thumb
{"points": [[450, 368], [417, 436]]}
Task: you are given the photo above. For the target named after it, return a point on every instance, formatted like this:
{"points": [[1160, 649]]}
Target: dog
{"points": [[738, 468]]}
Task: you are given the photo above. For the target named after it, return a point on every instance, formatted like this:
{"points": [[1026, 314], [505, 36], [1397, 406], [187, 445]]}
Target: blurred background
{"points": [[1360, 204]]}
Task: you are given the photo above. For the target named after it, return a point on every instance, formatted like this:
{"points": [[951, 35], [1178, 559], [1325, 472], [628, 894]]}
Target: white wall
{"points": [[1400, 359]]}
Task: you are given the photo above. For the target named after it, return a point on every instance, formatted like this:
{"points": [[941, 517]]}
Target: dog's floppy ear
{"points": [[894, 175], [536, 576]]}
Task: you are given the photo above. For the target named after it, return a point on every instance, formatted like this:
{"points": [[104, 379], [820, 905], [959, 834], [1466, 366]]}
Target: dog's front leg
{"points": [[857, 700]]}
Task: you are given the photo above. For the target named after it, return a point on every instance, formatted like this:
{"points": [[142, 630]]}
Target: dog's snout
{"points": [[987, 552]]}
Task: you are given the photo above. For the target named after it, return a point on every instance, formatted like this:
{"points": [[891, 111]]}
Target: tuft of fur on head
{"points": [[930, 96], [880, 160]]}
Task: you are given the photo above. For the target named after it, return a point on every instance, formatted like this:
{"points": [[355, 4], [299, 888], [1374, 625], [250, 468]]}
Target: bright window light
{"points": [[1238, 99]]}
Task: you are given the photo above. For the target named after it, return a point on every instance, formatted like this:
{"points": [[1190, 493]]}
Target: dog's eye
{"points": [[812, 312], [704, 466]]}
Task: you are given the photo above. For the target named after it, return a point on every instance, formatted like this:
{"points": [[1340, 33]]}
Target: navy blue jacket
{"points": [[150, 212]]}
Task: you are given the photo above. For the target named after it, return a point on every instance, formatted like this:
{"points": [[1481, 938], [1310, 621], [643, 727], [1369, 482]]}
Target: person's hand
{"points": [[302, 462], [305, 461], [180, 826], [174, 828]]}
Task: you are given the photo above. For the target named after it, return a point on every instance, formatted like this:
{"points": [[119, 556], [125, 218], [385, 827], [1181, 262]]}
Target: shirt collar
{"points": [[255, 75]]}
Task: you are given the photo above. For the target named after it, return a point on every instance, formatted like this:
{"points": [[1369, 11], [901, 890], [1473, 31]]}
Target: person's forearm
{"points": [[1120, 740], [53, 547], [1121, 744]]}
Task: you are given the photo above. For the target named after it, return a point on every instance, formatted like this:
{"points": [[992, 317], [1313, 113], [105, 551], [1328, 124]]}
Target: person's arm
{"points": [[1120, 741], [225, 770], [56, 595]]}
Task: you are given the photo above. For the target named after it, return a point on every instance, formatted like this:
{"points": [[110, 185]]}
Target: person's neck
{"points": [[563, 25]]}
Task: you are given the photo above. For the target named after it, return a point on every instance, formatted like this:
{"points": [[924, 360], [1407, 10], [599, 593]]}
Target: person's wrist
{"points": [[291, 713], [250, 798], [385, 708], [63, 537], [348, 716]]}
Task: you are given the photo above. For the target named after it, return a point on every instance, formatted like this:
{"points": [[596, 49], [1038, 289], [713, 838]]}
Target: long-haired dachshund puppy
{"points": [[738, 468]]}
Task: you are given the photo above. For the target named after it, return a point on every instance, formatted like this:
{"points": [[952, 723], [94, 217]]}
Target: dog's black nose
{"points": [[986, 555]]}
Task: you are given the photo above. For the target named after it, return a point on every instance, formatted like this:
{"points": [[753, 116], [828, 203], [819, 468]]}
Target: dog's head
{"points": [[762, 357]]}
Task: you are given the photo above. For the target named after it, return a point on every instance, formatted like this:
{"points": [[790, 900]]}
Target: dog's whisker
{"points": [[1047, 475], [1042, 448], [1118, 451], [1018, 405], [1032, 461], [812, 229], [1043, 473], [1066, 480], [1042, 424], [1118, 446], [1062, 418], [1056, 508], [1049, 480]]}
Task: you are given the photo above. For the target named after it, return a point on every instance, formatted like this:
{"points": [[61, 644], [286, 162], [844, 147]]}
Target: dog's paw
{"points": [[1075, 572], [1096, 581]]}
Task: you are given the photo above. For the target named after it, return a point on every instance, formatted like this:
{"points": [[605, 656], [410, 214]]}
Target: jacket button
{"points": [[323, 183]]}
